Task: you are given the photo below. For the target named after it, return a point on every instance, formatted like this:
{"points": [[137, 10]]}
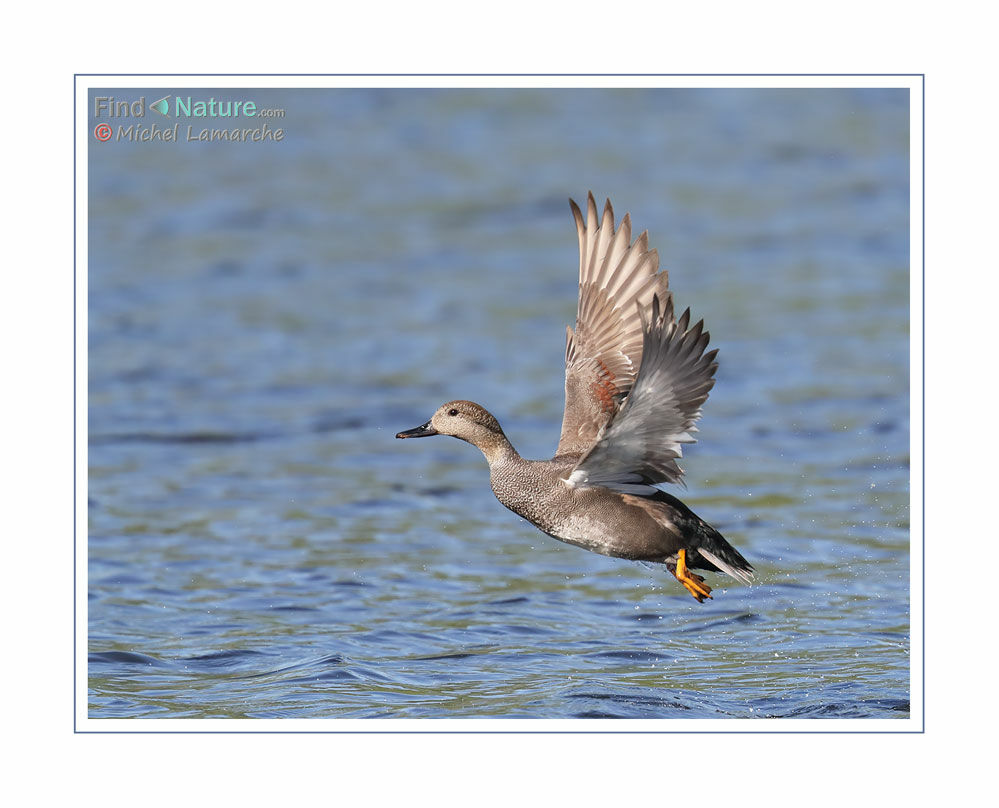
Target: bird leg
{"points": [[694, 583]]}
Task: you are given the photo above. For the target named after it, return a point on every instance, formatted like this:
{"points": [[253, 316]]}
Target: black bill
{"points": [[424, 431]]}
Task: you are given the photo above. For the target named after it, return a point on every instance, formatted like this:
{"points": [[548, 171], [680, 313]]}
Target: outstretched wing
{"points": [[617, 280], [641, 444]]}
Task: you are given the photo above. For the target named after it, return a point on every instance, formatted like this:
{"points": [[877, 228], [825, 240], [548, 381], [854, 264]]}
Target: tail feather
{"points": [[707, 549], [742, 573]]}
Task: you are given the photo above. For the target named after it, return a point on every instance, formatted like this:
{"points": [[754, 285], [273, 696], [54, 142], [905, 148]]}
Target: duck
{"points": [[636, 378]]}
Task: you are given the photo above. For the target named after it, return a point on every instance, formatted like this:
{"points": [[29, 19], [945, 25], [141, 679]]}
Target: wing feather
{"points": [[639, 446], [617, 279]]}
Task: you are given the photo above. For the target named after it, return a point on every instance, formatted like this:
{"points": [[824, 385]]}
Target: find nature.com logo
{"points": [[124, 126]]}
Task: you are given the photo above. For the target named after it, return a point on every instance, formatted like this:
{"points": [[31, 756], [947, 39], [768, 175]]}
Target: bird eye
{"points": [[452, 412]]}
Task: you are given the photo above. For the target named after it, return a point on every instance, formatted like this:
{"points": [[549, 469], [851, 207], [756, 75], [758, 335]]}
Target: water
{"points": [[264, 317]]}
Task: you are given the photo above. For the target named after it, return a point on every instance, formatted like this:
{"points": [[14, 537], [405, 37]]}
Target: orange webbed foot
{"points": [[693, 583]]}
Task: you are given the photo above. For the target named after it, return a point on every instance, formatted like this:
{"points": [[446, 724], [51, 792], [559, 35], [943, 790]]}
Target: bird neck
{"points": [[498, 450]]}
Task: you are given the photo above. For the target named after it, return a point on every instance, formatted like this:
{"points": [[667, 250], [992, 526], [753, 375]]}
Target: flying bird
{"points": [[636, 377]]}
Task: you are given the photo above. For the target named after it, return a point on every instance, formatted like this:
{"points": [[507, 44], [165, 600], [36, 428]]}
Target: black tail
{"points": [[713, 552]]}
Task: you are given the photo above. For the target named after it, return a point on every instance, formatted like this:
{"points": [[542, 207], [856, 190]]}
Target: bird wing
{"points": [[617, 280], [640, 445]]}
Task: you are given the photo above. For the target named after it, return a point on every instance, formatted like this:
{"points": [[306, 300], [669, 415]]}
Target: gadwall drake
{"points": [[635, 380]]}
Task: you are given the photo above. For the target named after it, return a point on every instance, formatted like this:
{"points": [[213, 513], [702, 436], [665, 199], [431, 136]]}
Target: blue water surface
{"points": [[264, 317]]}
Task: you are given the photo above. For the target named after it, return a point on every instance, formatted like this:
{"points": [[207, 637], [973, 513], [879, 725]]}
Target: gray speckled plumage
{"points": [[636, 378]]}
